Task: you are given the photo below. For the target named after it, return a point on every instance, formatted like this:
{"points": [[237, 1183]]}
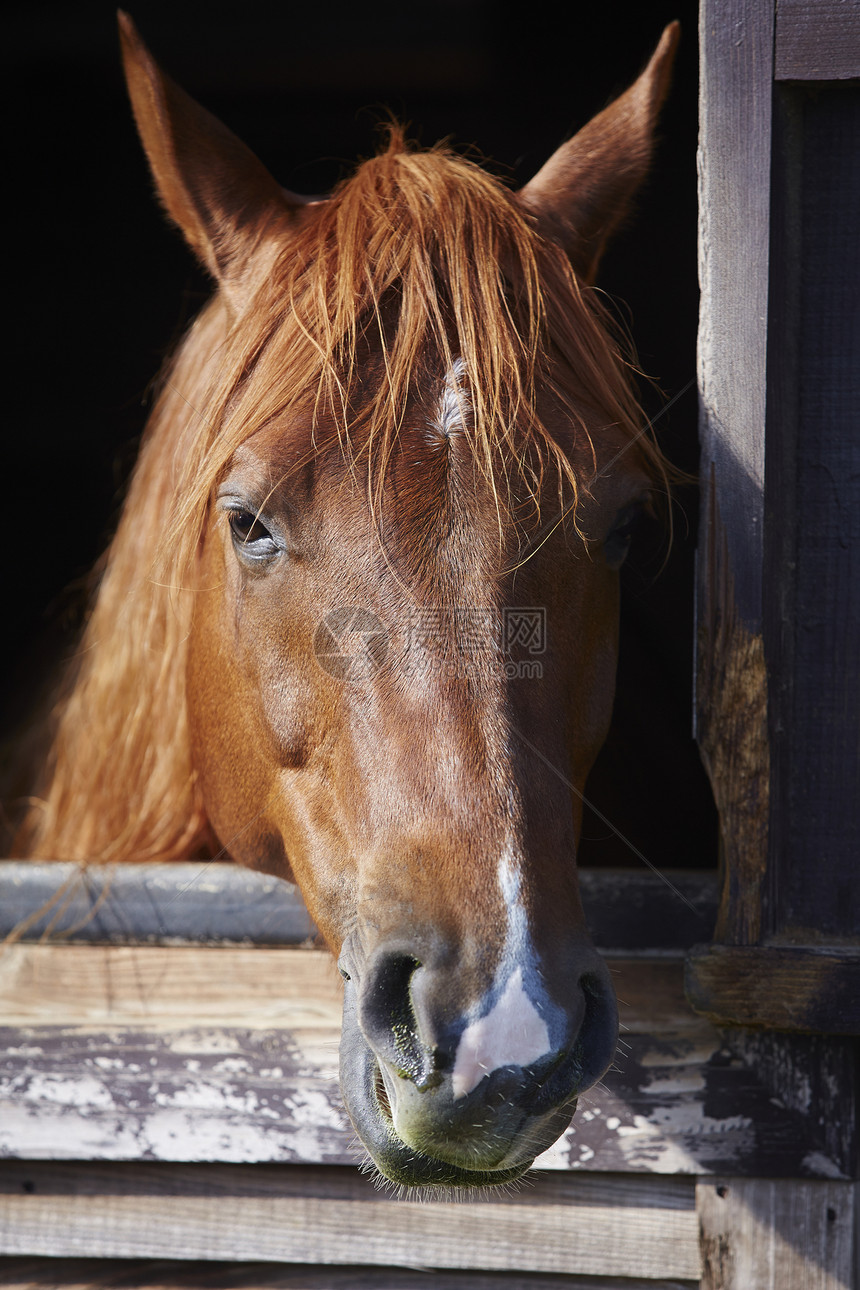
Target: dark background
{"points": [[99, 288]]}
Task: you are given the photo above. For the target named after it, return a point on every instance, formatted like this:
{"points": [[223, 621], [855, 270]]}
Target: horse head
{"points": [[402, 456]]}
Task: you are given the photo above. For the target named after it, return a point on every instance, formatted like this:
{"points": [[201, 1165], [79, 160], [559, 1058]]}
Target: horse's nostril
{"points": [[388, 1019]]}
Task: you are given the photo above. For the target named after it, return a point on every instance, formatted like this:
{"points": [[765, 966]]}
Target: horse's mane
{"points": [[419, 253]]}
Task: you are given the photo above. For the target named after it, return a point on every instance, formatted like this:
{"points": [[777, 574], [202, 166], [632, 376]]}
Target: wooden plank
{"points": [[231, 1055], [781, 745], [817, 40], [218, 902], [816, 1076], [601, 1225], [209, 1094], [734, 210], [786, 1233], [786, 989], [169, 986], [110, 1274], [227, 1095], [736, 47], [631, 909], [185, 901]]}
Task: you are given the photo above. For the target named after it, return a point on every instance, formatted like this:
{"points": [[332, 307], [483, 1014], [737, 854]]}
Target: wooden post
{"points": [[778, 596], [797, 1235]]}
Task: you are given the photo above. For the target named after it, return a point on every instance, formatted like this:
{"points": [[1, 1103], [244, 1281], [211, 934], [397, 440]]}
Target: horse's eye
{"points": [[251, 538], [617, 542]]}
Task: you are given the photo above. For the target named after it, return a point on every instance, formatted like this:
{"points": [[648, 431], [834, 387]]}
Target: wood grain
{"points": [[204, 902], [736, 44], [230, 1054], [786, 1233], [817, 40], [598, 1226], [785, 989], [93, 985], [732, 730], [195, 901]]}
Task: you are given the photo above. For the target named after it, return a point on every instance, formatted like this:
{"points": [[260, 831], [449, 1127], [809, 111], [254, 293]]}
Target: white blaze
{"points": [[513, 1033]]}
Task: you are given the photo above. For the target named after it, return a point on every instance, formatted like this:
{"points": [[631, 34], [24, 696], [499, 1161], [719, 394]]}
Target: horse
{"points": [[357, 626]]}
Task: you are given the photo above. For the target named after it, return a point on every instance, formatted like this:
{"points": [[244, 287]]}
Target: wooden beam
{"points": [[169, 987], [814, 1075], [230, 1054], [603, 1225], [200, 902], [786, 989], [736, 48], [196, 901], [817, 40], [778, 700]]}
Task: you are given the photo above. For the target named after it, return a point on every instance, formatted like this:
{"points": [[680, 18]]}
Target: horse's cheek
{"points": [[223, 740]]}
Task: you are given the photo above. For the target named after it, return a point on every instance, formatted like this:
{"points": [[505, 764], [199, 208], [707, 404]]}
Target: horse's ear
{"points": [[584, 191], [223, 199]]}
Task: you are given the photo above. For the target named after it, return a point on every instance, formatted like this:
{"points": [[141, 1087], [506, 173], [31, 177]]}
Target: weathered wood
{"points": [[89, 986], [216, 1094], [231, 1055], [817, 40], [734, 167], [202, 902], [785, 1233], [110, 1274], [786, 989], [736, 41], [731, 725], [817, 1077], [596, 1226], [196, 901], [778, 702]]}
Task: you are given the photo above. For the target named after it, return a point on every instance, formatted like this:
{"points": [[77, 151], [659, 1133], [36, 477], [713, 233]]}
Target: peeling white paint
{"points": [[820, 1165], [51, 1133], [210, 1097], [72, 1096], [315, 1109], [204, 1042], [659, 1142], [65, 1090], [233, 1066], [691, 1081]]}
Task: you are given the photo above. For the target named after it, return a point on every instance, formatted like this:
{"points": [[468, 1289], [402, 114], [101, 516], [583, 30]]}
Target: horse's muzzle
{"points": [[421, 1130]]}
